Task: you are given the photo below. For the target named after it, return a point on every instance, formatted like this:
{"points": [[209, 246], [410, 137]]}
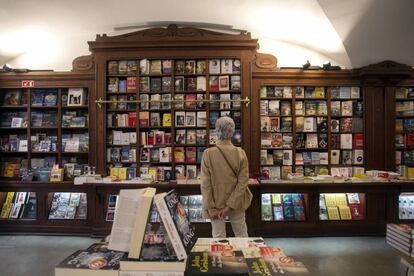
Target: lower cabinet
{"points": [[279, 209]]}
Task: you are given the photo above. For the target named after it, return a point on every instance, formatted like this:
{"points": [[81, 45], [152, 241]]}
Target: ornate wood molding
{"points": [[384, 73], [83, 64], [264, 62], [173, 36]]}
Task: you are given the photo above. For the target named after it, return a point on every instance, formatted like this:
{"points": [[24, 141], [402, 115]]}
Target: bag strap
{"points": [[227, 161]]}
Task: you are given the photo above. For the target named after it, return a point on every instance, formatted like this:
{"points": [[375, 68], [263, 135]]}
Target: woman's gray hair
{"points": [[225, 128]]}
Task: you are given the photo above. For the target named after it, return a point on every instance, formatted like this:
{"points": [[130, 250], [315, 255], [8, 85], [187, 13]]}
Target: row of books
{"points": [[337, 157], [155, 155], [122, 84], [405, 171], [404, 125], [190, 137], [18, 205], [404, 108], [303, 141], [122, 155], [404, 93], [157, 137], [354, 125], [45, 97], [120, 138], [44, 119], [347, 108], [168, 66], [404, 140], [18, 167], [274, 173], [405, 157], [309, 92], [193, 206], [14, 119], [182, 119], [123, 173], [13, 143], [340, 206], [74, 119], [78, 142], [190, 119], [66, 205], [180, 84], [41, 142], [49, 97], [282, 207], [188, 154], [275, 124], [162, 101]]}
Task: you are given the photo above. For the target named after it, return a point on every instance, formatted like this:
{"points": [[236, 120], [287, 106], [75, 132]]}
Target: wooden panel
{"points": [[375, 125]]}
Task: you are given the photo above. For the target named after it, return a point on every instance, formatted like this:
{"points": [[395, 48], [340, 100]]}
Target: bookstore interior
{"points": [[329, 149]]}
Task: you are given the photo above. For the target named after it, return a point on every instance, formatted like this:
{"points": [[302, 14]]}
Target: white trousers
{"points": [[238, 224]]}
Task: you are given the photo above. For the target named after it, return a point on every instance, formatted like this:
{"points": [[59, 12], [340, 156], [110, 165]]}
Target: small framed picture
{"points": [[76, 97]]}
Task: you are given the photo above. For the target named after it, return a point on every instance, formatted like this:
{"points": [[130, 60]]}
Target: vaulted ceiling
{"points": [[49, 34]]}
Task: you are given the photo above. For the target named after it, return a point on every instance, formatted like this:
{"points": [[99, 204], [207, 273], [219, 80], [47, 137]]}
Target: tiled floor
{"points": [[351, 256]]}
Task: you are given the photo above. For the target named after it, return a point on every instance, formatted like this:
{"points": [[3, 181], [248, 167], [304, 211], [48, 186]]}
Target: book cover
{"points": [[214, 66], [214, 84], [84, 261], [131, 216], [174, 218], [38, 97], [50, 98], [12, 98], [333, 213], [217, 262], [345, 213]]}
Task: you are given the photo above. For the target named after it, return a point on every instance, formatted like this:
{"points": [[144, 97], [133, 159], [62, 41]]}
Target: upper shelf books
{"points": [[14, 97]]}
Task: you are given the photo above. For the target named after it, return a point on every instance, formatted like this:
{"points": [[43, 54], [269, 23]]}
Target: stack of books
{"points": [[139, 244], [400, 236]]}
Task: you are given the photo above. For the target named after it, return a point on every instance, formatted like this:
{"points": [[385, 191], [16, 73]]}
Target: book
{"points": [[201, 67], [214, 66], [76, 97], [38, 97], [216, 261], [174, 218], [50, 98], [85, 263], [12, 98], [333, 213], [131, 216]]}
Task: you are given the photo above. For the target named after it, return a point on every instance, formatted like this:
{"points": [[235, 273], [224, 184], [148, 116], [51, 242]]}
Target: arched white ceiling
{"points": [[374, 30], [47, 34]]}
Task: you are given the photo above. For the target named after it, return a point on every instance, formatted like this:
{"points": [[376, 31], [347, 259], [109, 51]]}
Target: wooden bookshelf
{"points": [[378, 84], [404, 131]]}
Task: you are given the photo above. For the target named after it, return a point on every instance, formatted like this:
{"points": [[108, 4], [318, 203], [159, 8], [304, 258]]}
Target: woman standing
{"points": [[224, 180]]}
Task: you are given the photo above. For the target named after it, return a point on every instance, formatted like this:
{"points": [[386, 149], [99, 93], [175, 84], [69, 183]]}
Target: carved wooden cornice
{"points": [[264, 62], [83, 64], [173, 36], [384, 73]]}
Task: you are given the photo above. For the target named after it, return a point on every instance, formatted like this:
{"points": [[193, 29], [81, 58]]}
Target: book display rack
{"points": [[41, 128], [404, 131], [149, 100], [326, 136], [164, 133]]}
